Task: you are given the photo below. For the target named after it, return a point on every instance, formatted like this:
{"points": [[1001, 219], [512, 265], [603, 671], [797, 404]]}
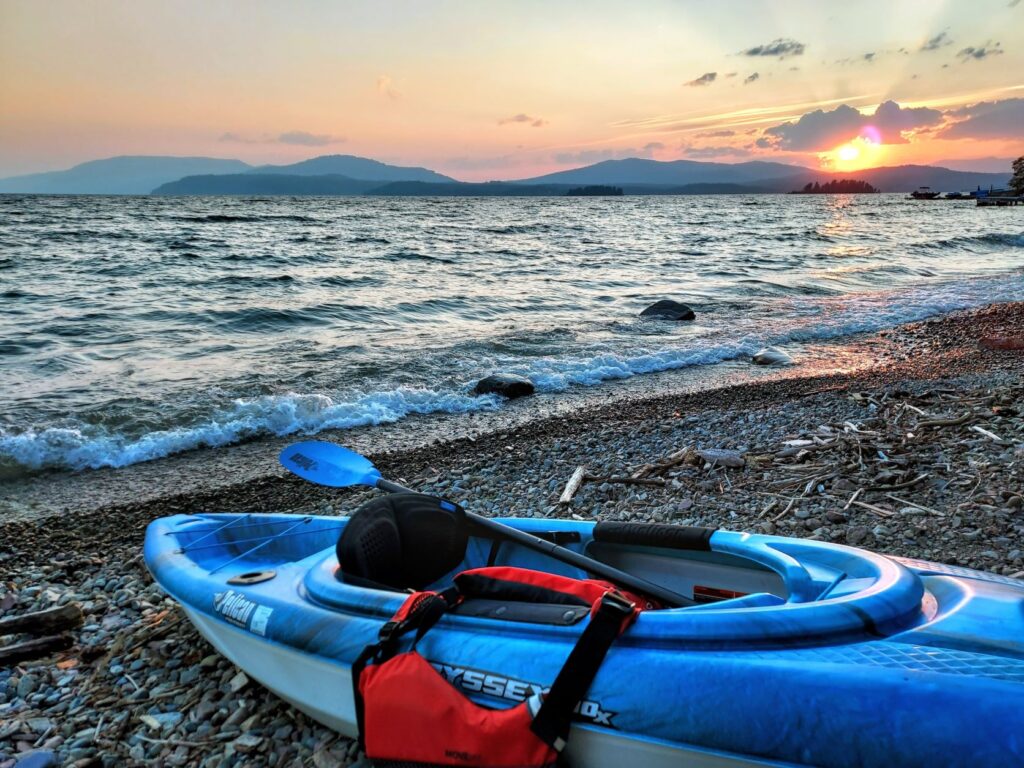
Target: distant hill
{"points": [[635, 170], [266, 184], [350, 175], [636, 174], [355, 168], [124, 175], [907, 178]]}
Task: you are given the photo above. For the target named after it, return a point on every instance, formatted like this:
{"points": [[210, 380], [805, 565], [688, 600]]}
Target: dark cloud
{"points": [[716, 134], [987, 120], [820, 130], [779, 48], [533, 122], [731, 74], [296, 138], [751, 78], [940, 40], [706, 79], [706, 153], [977, 53], [764, 143], [869, 56]]}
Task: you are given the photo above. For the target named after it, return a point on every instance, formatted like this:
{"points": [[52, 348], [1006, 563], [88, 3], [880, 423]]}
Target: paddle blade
{"points": [[329, 464]]}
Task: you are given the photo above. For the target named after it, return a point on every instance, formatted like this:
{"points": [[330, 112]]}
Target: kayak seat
{"points": [[402, 541]]}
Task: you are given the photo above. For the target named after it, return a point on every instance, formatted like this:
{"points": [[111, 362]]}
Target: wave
{"points": [[286, 414], [989, 239], [226, 218], [292, 413]]}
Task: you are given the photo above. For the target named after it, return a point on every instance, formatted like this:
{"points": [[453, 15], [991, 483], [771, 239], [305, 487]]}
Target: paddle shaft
{"points": [[633, 583]]}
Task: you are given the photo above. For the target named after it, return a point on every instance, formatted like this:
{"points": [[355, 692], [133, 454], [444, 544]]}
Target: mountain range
{"points": [[351, 175]]}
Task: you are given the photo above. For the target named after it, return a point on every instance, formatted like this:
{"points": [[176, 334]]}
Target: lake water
{"points": [[136, 327]]}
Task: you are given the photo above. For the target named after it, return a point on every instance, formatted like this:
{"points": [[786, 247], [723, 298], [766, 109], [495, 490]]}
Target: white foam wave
{"points": [[280, 415], [799, 320]]}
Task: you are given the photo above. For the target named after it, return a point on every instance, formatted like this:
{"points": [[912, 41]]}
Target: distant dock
{"points": [[1000, 200]]}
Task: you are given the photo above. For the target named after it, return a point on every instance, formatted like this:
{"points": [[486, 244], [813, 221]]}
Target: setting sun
{"points": [[861, 152], [848, 153]]}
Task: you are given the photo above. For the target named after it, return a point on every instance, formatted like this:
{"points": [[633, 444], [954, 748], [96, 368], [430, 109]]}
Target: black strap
{"points": [[551, 724], [492, 556]]}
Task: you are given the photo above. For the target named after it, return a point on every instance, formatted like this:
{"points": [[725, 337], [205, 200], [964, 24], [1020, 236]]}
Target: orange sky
{"points": [[485, 90]]}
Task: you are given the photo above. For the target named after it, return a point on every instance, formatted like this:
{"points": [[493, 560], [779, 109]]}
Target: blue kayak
{"points": [[797, 652]]}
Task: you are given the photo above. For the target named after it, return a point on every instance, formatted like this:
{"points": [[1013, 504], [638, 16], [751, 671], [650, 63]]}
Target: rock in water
{"points": [[772, 356], [506, 384], [666, 309]]}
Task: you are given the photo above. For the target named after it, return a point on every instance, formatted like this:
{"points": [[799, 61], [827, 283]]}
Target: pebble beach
{"points": [[918, 453]]}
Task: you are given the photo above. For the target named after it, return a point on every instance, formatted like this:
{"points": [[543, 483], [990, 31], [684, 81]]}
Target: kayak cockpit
{"points": [[749, 588]]}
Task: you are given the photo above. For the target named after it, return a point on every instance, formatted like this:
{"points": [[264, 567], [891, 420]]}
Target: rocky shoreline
{"points": [[903, 458]]}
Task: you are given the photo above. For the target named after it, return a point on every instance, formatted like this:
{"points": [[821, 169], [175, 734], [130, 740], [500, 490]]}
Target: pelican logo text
{"points": [[476, 681], [234, 607], [304, 461]]}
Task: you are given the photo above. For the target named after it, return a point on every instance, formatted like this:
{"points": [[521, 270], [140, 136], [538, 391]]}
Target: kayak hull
{"points": [[888, 663], [322, 689]]}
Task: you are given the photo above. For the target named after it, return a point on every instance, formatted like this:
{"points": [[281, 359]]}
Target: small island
{"points": [[595, 190], [836, 187]]}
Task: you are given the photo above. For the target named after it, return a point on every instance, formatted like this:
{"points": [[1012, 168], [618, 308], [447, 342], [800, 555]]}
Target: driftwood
{"points": [[43, 622], [626, 480], [33, 649], [946, 422], [573, 485]]}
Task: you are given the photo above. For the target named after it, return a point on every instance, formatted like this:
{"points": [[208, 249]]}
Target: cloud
{"points": [[706, 79], [386, 87], [533, 122], [980, 52], [231, 137], [820, 130], [940, 40], [725, 133], [296, 138], [713, 152], [599, 155], [731, 74], [778, 48], [306, 139], [986, 120], [869, 56], [751, 78]]}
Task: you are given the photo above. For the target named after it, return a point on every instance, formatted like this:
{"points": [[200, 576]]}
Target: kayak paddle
{"points": [[338, 467]]}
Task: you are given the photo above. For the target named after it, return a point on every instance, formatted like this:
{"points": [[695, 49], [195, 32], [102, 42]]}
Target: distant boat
{"points": [[924, 193], [957, 196]]}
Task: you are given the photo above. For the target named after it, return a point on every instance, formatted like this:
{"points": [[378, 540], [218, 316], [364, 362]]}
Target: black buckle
{"points": [[388, 632], [616, 602]]}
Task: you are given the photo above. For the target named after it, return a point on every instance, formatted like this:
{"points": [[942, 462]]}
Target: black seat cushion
{"points": [[402, 541]]}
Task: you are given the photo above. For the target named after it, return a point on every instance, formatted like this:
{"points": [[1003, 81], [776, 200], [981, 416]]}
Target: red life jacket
{"points": [[410, 715]]}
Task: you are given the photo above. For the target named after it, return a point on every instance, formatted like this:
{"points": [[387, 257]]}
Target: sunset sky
{"points": [[482, 90]]}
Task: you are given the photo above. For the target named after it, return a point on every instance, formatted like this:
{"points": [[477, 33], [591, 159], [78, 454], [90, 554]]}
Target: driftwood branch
{"points": [[33, 649], [43, 622], [626, 480], [575, 481]]}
